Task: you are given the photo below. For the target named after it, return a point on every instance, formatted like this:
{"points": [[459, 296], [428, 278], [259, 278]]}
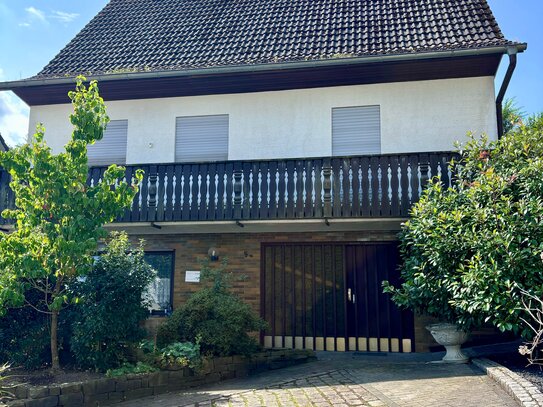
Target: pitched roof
{"points": [[155, 35]]}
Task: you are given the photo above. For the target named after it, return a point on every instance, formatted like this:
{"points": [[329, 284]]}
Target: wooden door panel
{"points": [[329, 297]]}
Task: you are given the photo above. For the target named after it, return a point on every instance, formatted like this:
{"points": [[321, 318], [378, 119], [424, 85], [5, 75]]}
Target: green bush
{"points": [[181, 354], [128, 368], [215, 317], [113, 305], [31, 349], [471, 250]]}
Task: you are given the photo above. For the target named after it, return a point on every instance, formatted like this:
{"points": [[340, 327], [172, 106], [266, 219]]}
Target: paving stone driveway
{"points": [[349, 380]]}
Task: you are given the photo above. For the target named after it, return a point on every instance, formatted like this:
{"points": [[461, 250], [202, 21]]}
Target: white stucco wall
{"points": [[415, 116]]}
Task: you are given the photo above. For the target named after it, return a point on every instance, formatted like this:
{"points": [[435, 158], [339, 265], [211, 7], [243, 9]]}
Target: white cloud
{"points": [[64, 16], [13, 119], [36, 14]]}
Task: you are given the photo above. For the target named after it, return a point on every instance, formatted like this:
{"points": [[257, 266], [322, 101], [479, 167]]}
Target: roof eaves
{"points": [[503, 49]]}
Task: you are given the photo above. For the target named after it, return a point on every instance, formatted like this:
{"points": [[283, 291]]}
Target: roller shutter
{"points": [[356, 130], [201, 138], [112, 148]]}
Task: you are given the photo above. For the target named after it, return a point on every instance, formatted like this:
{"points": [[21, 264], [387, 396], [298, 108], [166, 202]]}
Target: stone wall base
{"points": [[108, 391]]}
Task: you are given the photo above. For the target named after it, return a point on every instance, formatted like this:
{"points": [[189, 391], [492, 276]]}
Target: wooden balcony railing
{"points": [[377, 186]]}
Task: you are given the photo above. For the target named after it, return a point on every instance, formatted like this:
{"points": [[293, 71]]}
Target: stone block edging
{"points": [[524, 392], [108, 391]]}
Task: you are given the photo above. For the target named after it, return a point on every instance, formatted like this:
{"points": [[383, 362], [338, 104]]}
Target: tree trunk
{"points": [[54, 342], [55, 362]]}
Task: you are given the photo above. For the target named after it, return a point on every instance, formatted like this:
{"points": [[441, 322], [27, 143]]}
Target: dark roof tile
{"points": [[143, 35]]}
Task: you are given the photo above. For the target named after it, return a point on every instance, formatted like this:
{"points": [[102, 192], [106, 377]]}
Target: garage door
{"points": [[329, 297]]}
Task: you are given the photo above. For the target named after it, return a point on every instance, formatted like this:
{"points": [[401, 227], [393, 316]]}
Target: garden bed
{"points": [[518, 364], [102, 391]]}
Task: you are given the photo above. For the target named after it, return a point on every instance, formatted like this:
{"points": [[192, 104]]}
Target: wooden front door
{"points": [[377, 324], [329, 297]]}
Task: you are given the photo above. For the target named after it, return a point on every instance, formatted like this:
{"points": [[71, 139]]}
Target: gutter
{"points": [[269, 66], [512, 52]]}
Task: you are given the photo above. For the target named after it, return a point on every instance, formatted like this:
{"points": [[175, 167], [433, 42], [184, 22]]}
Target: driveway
{"points": [[349, 379]]}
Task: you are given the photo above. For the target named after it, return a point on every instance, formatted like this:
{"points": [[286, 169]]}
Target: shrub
{"points": [[215, 317], [471, 250], [181, 354], [30, 350], [113, 305], [128, 368]]}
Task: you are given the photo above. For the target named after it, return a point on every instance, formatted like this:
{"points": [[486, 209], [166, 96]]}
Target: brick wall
{"points": [[243, 252]]}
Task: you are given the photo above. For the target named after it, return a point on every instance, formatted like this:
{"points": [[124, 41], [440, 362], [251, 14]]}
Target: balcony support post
{"points": [[327, 187], [424, 167], [153, 178], [238, 173]]}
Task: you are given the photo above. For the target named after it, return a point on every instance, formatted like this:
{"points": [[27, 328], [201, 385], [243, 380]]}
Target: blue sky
{"points": [[33, 31]]}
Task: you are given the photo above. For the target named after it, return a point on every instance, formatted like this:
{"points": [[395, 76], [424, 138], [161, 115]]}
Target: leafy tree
{"points": [[58, 217], [471, 250], [112, 305]]}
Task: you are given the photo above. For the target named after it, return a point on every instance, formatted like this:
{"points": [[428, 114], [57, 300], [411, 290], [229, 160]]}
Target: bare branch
{"points": [[35, 308]]}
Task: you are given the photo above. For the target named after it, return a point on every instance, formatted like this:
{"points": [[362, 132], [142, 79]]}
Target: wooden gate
{"points": [[329, 297]]}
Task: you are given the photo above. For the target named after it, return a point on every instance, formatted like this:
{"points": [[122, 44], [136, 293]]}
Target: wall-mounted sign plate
{"points": [[192, 276]]}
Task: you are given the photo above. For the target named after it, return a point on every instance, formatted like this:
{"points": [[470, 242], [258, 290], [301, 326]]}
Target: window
{"points": [[201, 138], [160, 291], [112, 148], [356, 130]]}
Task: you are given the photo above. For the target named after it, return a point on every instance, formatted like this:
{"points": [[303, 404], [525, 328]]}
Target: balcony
{"points": [[379, 186]]}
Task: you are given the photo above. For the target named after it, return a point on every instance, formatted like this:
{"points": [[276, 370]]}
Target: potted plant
{"points": [[452, 338]]}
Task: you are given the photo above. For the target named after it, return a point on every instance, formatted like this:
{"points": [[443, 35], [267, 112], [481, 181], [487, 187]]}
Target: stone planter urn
{"points": [[452, 339]]}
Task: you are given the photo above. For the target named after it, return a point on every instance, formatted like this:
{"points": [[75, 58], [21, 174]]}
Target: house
{"points": [[290, 136]]}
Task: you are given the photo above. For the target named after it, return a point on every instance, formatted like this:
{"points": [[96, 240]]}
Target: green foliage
{"points": [[128, 368], [470, 250], [58, 216], [186, 354], [30, 350], [147, 346], [5, 391], [512, 115], [215, 317], [112, 305], [168, 332]]}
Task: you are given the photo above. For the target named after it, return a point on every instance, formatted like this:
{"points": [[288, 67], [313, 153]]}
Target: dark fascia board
{"points": [[270, 77]]}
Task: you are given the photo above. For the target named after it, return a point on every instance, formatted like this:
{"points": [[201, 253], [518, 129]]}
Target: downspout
{"points": [[512, 52]]}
